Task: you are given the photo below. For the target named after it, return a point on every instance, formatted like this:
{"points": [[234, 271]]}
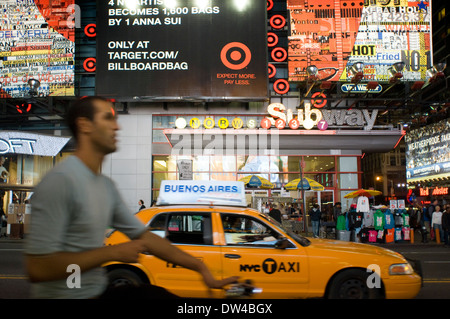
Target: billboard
{"points": [[333, 34], [36, 41], [428, 152], [182, 50]]}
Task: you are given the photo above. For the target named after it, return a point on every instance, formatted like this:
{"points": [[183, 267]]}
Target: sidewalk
{"points": [[417, 242], [10, 240]]}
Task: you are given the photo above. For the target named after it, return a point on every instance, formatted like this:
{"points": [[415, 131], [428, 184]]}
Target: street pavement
{"points": [[435, 260]]}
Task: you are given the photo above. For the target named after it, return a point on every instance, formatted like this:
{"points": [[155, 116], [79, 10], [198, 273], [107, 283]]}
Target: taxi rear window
{"points": [[183, 228]]}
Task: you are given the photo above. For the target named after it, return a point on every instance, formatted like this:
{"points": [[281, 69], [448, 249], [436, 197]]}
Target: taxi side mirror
{"points": [[282, 243]]}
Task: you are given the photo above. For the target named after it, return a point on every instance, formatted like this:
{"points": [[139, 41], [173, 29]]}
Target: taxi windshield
{"points": [[298, 238]]}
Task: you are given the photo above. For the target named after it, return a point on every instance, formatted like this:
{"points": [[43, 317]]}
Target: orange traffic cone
{"points": [[412, 236], [438, 237]]}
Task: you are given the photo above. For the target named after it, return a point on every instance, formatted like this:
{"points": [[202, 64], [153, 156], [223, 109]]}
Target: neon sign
{"points": [[436, 191], [310, 117]]}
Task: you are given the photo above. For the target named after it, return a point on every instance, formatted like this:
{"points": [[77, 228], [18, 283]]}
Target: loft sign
{"points": [[310, 117], [14, 144]]}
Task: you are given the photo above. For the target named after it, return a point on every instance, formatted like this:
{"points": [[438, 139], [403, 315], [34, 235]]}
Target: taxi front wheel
{"points": [[352, 284], [124, 277]]}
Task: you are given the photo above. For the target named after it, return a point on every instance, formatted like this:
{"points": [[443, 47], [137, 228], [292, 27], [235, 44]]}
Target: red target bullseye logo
{"points": [[321, 102], [272, 39], [235, 55], [23, 108], [89, 64], [281, 86], [279, 54], [277, 21], [90, 30], [272, 70], [269, 5]]}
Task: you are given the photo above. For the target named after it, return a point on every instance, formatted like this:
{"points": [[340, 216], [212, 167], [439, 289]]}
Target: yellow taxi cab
{"points": [[238, 241]]}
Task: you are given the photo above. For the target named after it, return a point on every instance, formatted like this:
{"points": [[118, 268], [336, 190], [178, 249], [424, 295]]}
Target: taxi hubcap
{"points": [[353, 289], [119, 282]]}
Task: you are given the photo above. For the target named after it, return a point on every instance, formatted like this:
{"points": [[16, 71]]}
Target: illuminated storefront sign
{"points": [[280, 117], [31, 144], [428, 152], [310, 117], [436, 191], [360, 88]]}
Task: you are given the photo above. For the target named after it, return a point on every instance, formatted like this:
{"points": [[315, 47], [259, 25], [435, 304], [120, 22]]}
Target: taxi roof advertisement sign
{"points": [[202, 193], [182, 49]]}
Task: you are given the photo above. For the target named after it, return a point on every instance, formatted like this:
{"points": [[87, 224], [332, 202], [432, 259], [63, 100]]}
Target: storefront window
{"points": [[319, 163], [348, 164], [325, 179], [294, 163], [27, 169], [240, 162], [159, 137], [223, 163], [25, 172], [164, 121], [201, 176], [158, 177], [279, 170], [160, 163], [223, 176], [348, 181], [345, 202], [201, 163]]}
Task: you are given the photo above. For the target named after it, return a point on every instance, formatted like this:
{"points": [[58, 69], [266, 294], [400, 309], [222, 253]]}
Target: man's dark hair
{"points": [[83, 107]]}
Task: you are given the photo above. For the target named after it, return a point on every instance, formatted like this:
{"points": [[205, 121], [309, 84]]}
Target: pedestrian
{"points": [[446, 224], [295, 213], [315, 215], [337, 211], [436, 222], [4, 174], [74, 204], [428, 216], [141, 204], [275, 213], [424, 223]]}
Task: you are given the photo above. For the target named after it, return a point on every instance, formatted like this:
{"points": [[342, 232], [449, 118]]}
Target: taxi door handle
{"points": [[232, 256]]}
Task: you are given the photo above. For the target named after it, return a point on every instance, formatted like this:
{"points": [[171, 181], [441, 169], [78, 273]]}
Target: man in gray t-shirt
{"points": [[73, 206]]}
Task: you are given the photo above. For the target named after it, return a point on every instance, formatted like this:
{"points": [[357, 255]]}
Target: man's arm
{"points": [[163, 249], [54, 266]]}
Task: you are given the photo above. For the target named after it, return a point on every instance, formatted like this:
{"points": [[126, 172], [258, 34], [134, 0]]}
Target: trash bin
{"points": [[343, 235], [16, 231]]}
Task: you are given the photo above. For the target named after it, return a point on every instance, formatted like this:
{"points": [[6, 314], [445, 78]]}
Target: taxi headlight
{"points": [[401, 269]]}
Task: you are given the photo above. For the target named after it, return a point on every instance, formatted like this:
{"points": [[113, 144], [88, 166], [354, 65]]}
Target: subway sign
{"points": [[360, 88], [311, 116]]}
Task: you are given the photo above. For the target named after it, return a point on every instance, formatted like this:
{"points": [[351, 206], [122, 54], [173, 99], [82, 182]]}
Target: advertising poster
{"points": [[428, 152], [335, 34], [182, 50], [37, 40]]}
